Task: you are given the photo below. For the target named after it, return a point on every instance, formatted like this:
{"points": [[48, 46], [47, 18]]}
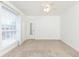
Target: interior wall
{"points": [[70, 27], [23, 27], [44, 27], [0, 28]]}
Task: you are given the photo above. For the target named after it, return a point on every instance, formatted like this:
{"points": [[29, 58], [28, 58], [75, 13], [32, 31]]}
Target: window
{"points": [[8, 24]]}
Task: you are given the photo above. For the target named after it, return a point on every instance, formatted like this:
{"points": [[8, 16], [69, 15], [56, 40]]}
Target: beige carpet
{"points": [[43, 48]]}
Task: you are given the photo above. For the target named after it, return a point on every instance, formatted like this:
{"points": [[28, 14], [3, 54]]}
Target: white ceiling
{"points": [[34, 8]]}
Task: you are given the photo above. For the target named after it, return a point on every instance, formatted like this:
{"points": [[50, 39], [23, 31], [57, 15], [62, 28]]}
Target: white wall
{"points": [[24, 27], [0, 28], [45, 27], [70, 27]]}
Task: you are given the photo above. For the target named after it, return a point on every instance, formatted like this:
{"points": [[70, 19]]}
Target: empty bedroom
{"points": [[39, 28]]}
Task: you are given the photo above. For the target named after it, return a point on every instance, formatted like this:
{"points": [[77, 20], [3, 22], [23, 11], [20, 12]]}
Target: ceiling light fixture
{"points": [[46, 8]]}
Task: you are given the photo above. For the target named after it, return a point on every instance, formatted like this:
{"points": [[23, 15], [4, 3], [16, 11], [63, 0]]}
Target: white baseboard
{"points": [[48, 38], [45, 38], [75, 48]]}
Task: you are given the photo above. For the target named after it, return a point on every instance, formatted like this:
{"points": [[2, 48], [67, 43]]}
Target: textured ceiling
{"points": [[34, 8]]}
